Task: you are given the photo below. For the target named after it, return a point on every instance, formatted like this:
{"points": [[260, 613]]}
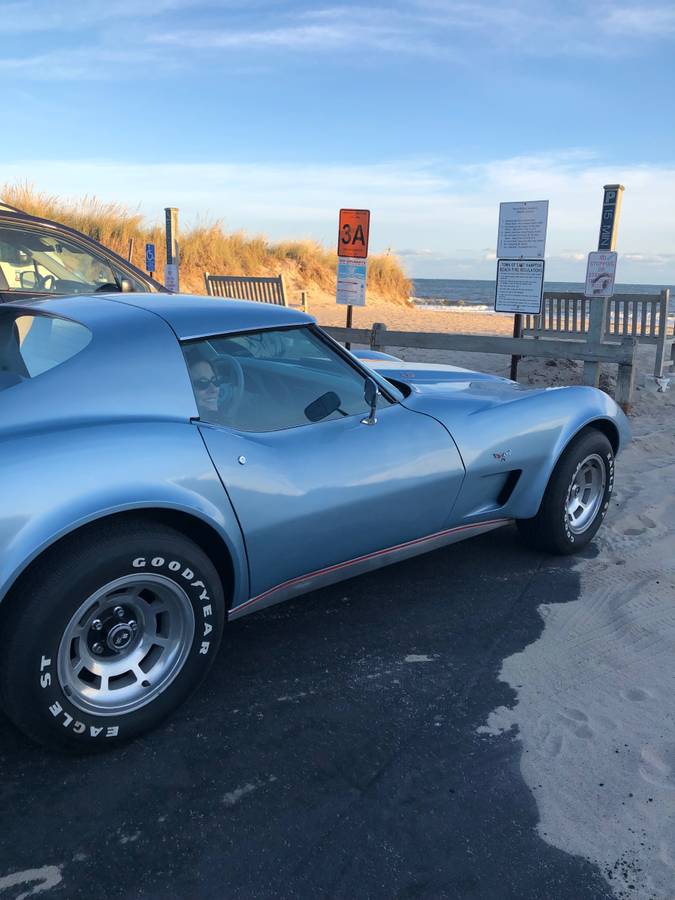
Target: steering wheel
{"points": [[232, 390], [40, 282]]}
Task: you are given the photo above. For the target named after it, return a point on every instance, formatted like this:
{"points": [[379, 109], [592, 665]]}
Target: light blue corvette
{"points": [[169, 462]]}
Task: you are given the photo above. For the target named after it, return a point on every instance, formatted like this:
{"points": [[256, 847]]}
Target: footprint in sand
{"points": [[650, 523], [655, 768], [576, 721], [636, 694], [552, 745]]}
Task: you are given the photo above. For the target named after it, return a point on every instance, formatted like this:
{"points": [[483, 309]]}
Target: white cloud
{"points": [[642, 21], [444, 215], [22, 16]]}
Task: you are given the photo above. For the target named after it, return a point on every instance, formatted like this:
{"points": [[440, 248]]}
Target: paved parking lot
{"points": [[332, 753]]}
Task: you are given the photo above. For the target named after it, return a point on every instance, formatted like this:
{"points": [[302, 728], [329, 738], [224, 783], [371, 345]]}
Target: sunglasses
{"points": [[202, 384]]}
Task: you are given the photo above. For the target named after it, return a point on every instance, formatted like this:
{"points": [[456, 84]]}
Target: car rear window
{"points": [[32, 344]]}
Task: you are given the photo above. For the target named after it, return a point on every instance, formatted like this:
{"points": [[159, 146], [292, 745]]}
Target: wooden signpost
{"points": [[352, 251], [171, 271], [609, 228]]}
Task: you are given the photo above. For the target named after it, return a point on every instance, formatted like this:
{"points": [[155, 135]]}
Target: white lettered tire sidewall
{"points": [[549, 530], [30, 686], [589, 533]]}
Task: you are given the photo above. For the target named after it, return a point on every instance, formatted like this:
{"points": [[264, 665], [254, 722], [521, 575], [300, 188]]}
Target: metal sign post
{"points": [[352, 250], [171, 276]]}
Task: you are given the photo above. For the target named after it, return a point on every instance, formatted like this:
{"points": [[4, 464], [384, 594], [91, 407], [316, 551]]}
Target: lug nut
{"points": [[98, 649], [119, 612], [133, 625], [97, 625]]}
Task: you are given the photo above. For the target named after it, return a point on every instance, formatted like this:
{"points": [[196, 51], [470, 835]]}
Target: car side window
{"points": [[40, 262], [273, 379], [33, 344]]}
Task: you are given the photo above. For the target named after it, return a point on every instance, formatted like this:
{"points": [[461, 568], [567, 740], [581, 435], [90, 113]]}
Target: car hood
{"points": [[470, 391]]}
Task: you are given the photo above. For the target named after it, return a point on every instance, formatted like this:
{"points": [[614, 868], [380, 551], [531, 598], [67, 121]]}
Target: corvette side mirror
{"points": [[323, 406], [370, 395]]}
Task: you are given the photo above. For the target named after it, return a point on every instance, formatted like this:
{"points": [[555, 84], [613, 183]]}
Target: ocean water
{"points": [[453, 293]]}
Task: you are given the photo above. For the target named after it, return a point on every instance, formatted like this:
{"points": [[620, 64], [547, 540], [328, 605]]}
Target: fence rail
{"points": [[590, 353]]}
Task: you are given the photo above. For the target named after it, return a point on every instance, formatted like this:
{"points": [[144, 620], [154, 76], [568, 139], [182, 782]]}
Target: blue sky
{"points": [[270, 115]]}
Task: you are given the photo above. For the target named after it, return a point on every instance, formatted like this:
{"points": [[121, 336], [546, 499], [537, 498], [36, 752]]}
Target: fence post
{"points": [[596, 330], [663, 334], [625, 379], [303, 301], [378, 337]]}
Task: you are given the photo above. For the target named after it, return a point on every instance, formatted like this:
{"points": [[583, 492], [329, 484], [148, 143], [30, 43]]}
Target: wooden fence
{"points": [[642, 316], [591, 353]]}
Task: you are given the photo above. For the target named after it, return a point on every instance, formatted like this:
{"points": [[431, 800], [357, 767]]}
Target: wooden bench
{"points": [[640, 316], [247, 287]]}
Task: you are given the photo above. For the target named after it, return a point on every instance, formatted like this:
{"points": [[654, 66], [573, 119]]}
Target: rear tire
{"points": [[576, 498], [108, 635]]}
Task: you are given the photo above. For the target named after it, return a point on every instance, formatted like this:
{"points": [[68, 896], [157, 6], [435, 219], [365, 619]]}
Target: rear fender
{"points": [[52, 488]]}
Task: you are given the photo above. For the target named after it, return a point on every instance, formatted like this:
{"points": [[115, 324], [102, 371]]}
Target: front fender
{"points": [[502, 427], [52, 484], [583, 407]]}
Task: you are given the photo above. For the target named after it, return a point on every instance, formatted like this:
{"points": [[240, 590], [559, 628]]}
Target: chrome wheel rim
{"points": [[585, 493], [125, 644]]}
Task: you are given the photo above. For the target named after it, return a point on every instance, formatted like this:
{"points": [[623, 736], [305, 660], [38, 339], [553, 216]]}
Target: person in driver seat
{"points": [[206, 385]]}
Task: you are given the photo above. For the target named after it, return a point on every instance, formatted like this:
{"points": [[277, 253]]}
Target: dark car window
{"points": [[33, 344], [274, 379], [40, 262]]}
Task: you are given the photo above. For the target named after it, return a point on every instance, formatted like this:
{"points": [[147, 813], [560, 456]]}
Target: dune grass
{"points": [[306, 265]]}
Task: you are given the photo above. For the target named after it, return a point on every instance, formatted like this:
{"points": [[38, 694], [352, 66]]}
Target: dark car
{"points": [[42, 258]]}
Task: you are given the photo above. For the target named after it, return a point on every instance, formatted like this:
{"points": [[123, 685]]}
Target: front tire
{"points": [[576, 498], [108, 635]]}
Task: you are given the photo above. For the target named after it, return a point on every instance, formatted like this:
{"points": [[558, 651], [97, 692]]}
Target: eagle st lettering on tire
{"points": [[109, 636]]}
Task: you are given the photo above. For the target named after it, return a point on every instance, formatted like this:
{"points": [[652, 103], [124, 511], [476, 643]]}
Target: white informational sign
{"points": [[351, 281], [600, 273], [171, 276], [522, 230], [520, 286]]}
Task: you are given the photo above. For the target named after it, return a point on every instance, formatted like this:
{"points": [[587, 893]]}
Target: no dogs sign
{"points": [[353, 233]]}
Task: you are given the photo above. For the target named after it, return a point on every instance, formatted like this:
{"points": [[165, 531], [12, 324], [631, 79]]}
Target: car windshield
{"points": [[32, 344], [31, 261]]}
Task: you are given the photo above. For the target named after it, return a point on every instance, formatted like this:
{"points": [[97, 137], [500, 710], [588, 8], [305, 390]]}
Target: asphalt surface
{"points": [[316, 761]]}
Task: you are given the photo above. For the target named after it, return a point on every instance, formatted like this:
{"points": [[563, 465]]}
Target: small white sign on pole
{"points": [[171, 276], [351, 281], [601, 273], [522, 230], [520, 286]]}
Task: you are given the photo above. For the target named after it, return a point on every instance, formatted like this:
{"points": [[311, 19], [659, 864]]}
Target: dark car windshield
{"points": [[32, 344]]}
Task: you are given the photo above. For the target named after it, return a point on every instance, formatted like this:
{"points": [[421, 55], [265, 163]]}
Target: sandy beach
{"points": [[594, 715], [407, 317]]}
